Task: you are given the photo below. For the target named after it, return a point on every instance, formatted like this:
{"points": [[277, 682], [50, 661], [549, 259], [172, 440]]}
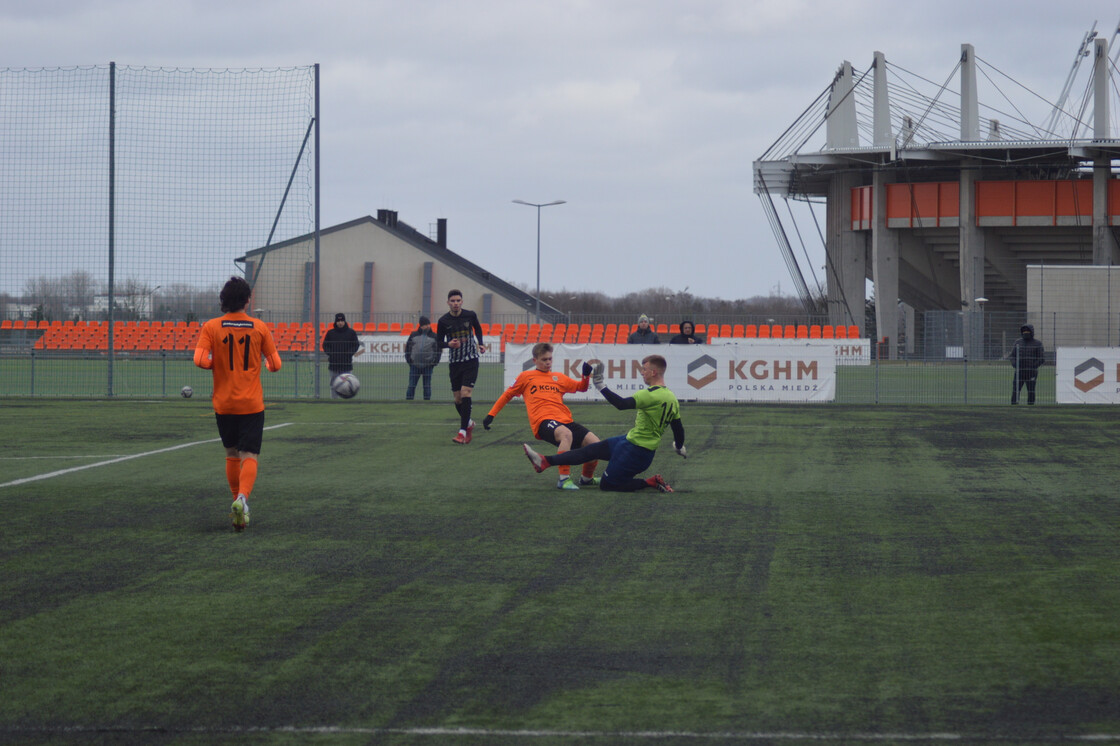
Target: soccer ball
{"points": [[346, 385], [186, 392]]}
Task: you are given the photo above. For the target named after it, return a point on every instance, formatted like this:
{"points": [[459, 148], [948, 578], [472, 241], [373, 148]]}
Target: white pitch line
{"points": [[60, 472], [56, 458]]}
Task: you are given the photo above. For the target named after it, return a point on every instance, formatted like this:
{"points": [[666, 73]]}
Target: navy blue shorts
{"points": [[627, 461]]}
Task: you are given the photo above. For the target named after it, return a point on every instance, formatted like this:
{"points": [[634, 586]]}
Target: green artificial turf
{"points": [[834, 573]]}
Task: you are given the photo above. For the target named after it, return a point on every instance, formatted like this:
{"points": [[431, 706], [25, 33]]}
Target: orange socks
{"points": [[233, 474], [248, 476], [589, 469]]}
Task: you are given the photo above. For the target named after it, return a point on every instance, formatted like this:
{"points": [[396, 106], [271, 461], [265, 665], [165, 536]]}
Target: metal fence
{"points": [[934, 366]]}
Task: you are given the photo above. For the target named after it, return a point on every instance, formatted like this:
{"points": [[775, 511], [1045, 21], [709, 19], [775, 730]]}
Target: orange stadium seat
{"points": [[764, 331], [841, 332], [738, 330], [752, 331], [827, 331], [802, 331], [853, 331], [815, 331]]}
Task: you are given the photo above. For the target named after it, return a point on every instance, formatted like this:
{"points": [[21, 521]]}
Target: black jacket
{"points": [[340, 346], [1027, 354], [648, 338]]}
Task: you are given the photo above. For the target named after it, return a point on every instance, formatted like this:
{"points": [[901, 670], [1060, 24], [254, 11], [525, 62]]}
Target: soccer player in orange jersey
{"points": [[550, 420], [231, 347]]}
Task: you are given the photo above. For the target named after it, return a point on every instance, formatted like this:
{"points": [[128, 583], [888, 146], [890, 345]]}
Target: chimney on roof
{"points": [[387, 217], [441, 232]]}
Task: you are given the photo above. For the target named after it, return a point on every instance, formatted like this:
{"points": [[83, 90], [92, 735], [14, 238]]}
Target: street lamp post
{"points": [[152, 302], [539, 206]]}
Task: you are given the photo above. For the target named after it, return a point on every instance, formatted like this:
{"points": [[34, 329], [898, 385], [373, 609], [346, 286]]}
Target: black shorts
{"points": [[463, 374], [547, 432], [242, 431]]}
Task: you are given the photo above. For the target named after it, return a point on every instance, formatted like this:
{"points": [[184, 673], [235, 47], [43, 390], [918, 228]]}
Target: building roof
{"points": [[387, 221]]}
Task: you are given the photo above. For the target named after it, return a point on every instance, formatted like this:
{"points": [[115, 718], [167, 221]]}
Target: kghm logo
{"points": [[1088, 375], [701, 371]]}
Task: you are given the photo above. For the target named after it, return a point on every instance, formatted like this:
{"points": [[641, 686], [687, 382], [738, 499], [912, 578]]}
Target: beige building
{"points": [[379, 269]]}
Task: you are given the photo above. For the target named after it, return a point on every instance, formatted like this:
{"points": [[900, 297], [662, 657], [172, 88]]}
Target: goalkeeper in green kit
{"points": [[630, 454]]}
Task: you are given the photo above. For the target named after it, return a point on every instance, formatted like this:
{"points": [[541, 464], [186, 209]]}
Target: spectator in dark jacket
{"points": [[644, 334], [687, 336], [1027, 356], [422, 353], [340, 343]]}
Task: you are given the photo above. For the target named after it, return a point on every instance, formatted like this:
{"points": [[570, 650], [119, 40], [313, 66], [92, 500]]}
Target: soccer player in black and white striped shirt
{"points": [[458, 330]]}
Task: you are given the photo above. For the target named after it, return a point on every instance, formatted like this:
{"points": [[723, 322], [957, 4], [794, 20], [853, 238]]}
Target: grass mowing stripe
{"points": [[652, 735], [119, 459]]}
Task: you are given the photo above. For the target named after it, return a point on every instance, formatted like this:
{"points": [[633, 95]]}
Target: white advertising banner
{"points": [[848, 351], [1088, 375], [798, 370], [389, 348]]}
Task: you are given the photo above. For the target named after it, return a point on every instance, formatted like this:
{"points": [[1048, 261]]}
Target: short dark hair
{"points": [[454, 291], [657, 362], [540, 348], [235, 294]]}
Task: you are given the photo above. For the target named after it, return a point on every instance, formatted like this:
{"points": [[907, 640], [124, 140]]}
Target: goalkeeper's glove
{"points": [[597, 379], [586, 369], [487, 420], [681, 450]]}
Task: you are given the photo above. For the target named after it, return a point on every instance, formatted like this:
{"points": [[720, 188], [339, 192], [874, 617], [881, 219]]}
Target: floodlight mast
{"points": [[539, 206]]}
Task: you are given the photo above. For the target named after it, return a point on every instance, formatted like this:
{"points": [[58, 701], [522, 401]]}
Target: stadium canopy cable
{"points": [[804, 249], [1022, 117], [803, 120]]}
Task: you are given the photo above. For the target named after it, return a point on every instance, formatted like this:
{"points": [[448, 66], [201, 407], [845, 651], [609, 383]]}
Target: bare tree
{"points": [[77, 290], [43, 293]]}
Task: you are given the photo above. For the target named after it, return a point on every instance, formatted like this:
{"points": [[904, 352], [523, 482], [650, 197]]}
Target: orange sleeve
{"points": [[268, 348], [581, 385], [202, 356], [507, 396]]}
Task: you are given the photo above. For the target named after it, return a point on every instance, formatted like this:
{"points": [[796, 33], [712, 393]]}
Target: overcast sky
{"points": [[644, 115]]}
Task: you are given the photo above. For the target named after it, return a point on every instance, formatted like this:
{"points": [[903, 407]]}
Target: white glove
{"points": [[597, 379], [681, 450]]}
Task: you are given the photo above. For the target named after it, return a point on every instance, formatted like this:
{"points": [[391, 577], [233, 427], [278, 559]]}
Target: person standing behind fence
{"points": [[341, 344], [1027, 356], [644, 334], [687, 336], [422, 353]]}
